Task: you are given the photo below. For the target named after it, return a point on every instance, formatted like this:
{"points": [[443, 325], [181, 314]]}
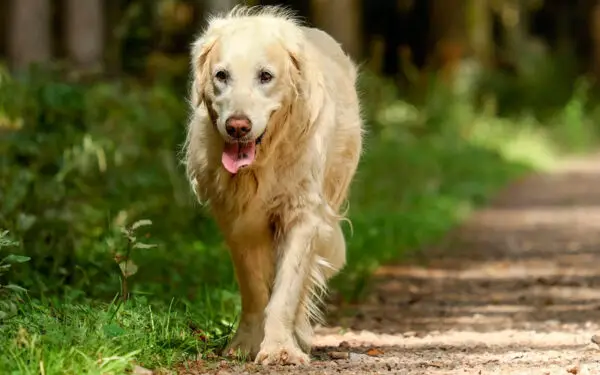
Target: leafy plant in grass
{"points": [[8, 307], [123, 259]]}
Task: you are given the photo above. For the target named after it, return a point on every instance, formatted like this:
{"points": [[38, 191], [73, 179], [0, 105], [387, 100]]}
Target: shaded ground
{"points": [[516, 290]]}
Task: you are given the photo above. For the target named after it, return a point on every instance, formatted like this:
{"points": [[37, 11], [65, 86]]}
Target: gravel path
{"points": [[516, 290]]}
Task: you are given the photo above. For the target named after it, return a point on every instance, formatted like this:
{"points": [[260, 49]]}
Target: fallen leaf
{"points": [[374, 352]]}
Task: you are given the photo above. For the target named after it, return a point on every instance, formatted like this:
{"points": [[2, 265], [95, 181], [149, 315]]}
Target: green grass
{"points": [[64, 337], [83, 161]]}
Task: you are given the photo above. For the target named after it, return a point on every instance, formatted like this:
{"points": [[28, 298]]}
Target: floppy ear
{"points": [[201, 49], [309, 82], [199, 61]]}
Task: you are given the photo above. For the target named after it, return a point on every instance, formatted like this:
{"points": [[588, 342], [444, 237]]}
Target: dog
{"points": [[273, 143]]}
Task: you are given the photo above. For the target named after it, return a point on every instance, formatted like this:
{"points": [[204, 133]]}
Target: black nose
{"points": [[238, 126]]}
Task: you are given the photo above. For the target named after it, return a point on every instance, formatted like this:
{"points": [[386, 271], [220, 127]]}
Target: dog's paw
{"points": [[287, 354], [245, 344], [239, 351]]}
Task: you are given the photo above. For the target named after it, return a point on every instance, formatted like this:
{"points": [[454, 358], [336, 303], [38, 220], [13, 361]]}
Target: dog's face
{"points": [[246, 76]]}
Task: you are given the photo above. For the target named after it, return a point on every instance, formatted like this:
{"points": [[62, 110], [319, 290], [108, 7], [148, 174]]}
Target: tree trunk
{"points": [[449, 37], [480, 30], [30, 33], [515, 31], [341, 19], [4, 17], [85, 33], [595, 38], [113, 11]]}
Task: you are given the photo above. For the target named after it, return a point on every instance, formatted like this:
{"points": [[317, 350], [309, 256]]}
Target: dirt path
{"points": [[516, 290]]}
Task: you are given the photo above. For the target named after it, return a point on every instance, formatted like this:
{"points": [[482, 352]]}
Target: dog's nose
{"points": [[238, 126]]}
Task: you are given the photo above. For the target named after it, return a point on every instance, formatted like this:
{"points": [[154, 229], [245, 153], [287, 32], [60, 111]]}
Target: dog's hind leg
{"points": [[333, 252], [329, 259], [303, 330]]}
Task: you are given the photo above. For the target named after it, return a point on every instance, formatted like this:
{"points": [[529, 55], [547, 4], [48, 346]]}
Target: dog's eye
{"points": [[264, 76], [222, 75]]}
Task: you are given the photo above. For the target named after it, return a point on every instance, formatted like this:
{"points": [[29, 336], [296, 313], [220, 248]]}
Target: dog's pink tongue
{"points": [[236, 155]]}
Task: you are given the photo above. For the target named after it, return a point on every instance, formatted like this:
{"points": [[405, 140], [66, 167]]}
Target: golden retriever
{"points": [[273, 143]]}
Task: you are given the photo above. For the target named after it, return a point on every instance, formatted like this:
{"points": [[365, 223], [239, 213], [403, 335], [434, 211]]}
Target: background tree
{"points": [[448, 34], [479, 26], [85, 33], [342, 19], [595, 36], [30, 38]]}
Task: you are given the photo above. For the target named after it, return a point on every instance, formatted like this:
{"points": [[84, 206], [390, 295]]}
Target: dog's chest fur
{"points": [[243, 207]]}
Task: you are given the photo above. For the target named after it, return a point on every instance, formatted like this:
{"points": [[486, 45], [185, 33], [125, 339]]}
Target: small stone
{"points": [[338, 355], [251, 368], [596, 339], [357, 357], [344, 345], [573, 370]]}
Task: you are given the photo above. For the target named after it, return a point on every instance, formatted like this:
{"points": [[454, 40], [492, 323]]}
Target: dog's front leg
{"points": [[291, 279], [254, 269]]}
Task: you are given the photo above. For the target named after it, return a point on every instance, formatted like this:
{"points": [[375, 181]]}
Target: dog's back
{"points": [[343, 136], [331, 48]]}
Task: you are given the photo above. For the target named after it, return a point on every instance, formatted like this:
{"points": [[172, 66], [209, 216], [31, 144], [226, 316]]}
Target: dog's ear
{"points": [[201, 49], [308, 80], [295, 60], [199, 59]]}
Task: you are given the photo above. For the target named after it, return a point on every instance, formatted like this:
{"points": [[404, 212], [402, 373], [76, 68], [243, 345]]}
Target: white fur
{"points": [[281, 215]]}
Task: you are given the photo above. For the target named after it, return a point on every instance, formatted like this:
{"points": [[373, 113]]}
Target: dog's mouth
{"points": [[237, 155]]}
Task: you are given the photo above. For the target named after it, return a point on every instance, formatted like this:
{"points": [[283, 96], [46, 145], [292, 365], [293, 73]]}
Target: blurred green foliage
{"points": [[9, 293], [80, 161]]}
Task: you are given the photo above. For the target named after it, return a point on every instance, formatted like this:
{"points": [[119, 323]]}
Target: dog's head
{"points": [[246, 67]]}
